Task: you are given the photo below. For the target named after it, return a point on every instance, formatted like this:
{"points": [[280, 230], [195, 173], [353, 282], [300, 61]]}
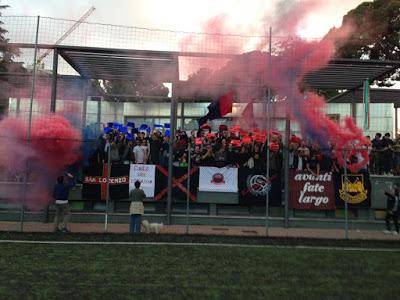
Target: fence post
{"points": [[268, 138], [286, 172], [171, 158], [188, 190], [346, 214], [30, 123], [108, 187]]}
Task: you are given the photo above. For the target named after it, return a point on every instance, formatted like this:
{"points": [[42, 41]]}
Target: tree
{"points": [[7, 52], [135, 88], [375, 33]]}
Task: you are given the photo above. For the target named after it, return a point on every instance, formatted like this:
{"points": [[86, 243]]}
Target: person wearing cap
{"points": [[60, 195], [136, 209], [393, 210]]}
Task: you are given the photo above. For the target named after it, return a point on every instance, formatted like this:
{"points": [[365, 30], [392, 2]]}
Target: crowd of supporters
{"points": [[233, 147], [385, 155], [236, 148]]}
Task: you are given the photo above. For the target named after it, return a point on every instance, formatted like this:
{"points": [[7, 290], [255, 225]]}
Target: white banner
{"points": [[213, 179], [146, 174]]}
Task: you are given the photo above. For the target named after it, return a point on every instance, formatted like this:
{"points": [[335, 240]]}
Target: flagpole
{"points": [[108, 186], [268, 138], [30, 123], [188, 190]]}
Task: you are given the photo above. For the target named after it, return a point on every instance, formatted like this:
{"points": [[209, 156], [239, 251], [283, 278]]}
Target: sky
{"points": [[179, 15]]}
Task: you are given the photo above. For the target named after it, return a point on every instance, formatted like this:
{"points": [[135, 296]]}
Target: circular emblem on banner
{"points": [[218, 178], [258, 185]]}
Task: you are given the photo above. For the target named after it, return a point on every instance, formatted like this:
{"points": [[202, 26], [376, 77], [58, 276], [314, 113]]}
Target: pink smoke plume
{"points": [[250, 73], [54, 145]]}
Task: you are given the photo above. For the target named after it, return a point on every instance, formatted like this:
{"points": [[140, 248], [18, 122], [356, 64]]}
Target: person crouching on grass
{"points": [[393, 210], [136, 208], [60, 195]]}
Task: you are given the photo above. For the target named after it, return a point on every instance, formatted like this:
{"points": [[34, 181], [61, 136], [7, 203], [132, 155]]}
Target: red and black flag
{"points": [[95, 182], [219, 108], [179, 183], [253, 187]]}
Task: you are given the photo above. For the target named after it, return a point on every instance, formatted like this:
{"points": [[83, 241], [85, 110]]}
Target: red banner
{"points": [[308, 191]]}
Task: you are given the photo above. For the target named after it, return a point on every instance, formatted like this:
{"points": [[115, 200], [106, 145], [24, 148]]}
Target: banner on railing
{"points": [[224, 180], [179, 183], [358, 189], [146, 174], [95, 182], [253, 187], [308, 191]]}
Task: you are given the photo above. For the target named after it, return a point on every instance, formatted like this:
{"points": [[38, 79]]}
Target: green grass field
{"points": [[65, 271]]}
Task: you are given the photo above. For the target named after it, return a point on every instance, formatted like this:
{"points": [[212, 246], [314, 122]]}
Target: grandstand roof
{"points": [[107, 63], [349, 73], [104, 63], [377, 95]]}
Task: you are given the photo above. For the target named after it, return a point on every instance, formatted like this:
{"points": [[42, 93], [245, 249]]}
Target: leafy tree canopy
{"points": [[7, 52], [376, 31]]}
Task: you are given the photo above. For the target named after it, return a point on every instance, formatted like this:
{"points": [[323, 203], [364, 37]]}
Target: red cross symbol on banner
{"points": [[176, 182], [102, 180]]}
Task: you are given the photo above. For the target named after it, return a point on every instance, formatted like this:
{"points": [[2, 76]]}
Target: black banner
{"points": [[179, 183], [253, 187], [95, 182], [358, 189]]}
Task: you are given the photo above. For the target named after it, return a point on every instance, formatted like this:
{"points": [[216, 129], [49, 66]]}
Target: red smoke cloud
{"points": [[54, 145], [292, 58]]}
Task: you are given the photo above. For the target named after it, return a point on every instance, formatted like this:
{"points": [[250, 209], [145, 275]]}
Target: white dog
{"points": [[151, 227]]}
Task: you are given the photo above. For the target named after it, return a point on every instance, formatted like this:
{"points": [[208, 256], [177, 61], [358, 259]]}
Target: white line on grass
{"points": [[201, 244]]}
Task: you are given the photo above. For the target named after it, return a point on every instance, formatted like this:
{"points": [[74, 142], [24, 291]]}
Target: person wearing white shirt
{"points": [[140, 152]]}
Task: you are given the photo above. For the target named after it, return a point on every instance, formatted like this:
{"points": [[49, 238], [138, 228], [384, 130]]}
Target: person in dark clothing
{"points": [[376, 154], [387, 154], [242, 157], [155, 147], [207, 156], [164, 152], [60, 195], [259, 159], [393, 210]]}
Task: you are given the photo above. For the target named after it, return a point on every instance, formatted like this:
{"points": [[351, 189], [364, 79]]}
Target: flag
{"points": [[224, 180], [253, 187], [95, 182], [358, 189], [219, 108], [248, 115], [145, 174], [366, 105], [179, 183], [311, 192]]}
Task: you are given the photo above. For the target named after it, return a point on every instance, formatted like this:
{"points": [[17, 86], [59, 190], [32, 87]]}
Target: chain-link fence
{"points": [[273, 159]]}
